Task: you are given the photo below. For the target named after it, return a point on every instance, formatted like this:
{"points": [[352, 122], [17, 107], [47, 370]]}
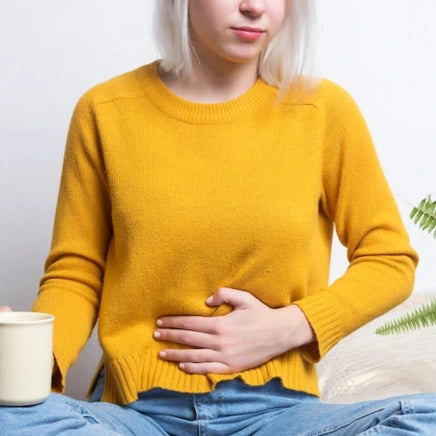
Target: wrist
{"points": [[300, 331]]}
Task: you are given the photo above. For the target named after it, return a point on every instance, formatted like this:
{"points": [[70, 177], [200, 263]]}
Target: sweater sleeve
{"points": [[358, 199], [71, 285]]}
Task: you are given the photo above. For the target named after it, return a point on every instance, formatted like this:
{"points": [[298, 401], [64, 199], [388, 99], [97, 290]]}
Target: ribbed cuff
{"points": [[321, 310], [74, 320]]}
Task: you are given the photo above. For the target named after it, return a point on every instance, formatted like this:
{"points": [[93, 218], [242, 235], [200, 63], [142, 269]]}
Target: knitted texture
{"points": [[162, 201]]}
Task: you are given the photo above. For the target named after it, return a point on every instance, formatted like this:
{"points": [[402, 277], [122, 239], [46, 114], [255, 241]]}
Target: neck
{"points": [[216, 79]]}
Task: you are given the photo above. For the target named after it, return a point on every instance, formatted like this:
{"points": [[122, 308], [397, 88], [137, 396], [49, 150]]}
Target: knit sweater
{"points": [[163, 200]]}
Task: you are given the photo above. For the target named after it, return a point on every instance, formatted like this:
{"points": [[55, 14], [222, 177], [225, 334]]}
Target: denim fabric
{"points": [[233, 408]]}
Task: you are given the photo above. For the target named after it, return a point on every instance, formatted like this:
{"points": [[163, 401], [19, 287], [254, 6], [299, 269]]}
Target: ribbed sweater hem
{"points": [[142, 371]]}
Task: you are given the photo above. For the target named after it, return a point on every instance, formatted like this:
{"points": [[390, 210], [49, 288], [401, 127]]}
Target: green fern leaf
{"points": [[425, 215], [424, 316]]}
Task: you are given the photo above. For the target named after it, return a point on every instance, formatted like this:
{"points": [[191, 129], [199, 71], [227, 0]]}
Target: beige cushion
{"points": [[365, 366]]}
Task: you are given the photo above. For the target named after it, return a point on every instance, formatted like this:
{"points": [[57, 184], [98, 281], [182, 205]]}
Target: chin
{"points": [[242, 58]]}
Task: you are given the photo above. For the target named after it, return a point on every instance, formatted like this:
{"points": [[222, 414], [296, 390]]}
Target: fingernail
{"points": [[156, 334], [209, 300], [159, 322], [162, 353]]}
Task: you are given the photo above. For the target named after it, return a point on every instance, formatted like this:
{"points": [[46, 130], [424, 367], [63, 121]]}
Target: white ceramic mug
{"points": [[26, 357]]}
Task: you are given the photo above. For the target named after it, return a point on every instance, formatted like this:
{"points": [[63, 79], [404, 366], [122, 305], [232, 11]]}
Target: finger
{"points": [[188, 337], [198, 356], [206, 324], [234, 297], [5, 309], [205, 368]]}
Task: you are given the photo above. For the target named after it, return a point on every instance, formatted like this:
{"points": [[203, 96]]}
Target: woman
{"points": [[195, 218]]}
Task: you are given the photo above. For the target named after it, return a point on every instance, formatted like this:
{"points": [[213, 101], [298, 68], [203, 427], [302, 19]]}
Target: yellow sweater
{"points": [[162, 201]]}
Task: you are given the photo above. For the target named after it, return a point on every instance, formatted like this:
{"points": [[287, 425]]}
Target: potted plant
{"points": [[425, 315]]}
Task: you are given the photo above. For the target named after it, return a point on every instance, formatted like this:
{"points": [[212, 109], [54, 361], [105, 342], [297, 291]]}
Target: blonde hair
{"points": [[288, 62]]}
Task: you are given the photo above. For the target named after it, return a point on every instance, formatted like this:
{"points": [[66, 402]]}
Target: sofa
{"points": [[365, 366]]}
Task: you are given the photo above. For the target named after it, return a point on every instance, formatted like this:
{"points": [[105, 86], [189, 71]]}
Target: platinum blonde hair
{"points": [[288, 62]]}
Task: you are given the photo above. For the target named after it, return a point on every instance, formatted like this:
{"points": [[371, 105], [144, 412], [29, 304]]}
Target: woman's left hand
{"points": [[252, 334]]}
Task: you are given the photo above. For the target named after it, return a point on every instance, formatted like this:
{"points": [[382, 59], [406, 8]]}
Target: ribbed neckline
{"points": [[254, 99]]}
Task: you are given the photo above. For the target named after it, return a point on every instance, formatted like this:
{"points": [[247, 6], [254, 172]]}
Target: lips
{"points": [[249, 29]]}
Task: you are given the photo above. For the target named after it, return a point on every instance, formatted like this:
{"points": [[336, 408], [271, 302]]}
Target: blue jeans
{"points": [[233, 408]]}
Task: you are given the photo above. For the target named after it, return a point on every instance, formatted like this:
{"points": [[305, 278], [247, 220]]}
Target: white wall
{"points": [[53, 51]]}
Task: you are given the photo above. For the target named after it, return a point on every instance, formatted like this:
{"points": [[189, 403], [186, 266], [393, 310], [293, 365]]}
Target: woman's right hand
{"points": [[5, 309]]}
